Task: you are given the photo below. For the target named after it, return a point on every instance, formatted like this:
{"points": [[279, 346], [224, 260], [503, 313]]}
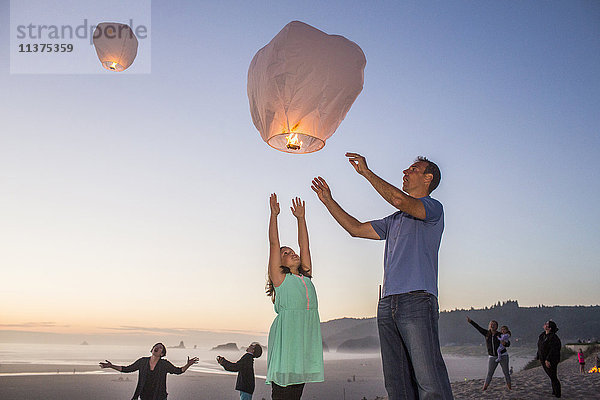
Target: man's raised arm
{"points": [[389, 192]]}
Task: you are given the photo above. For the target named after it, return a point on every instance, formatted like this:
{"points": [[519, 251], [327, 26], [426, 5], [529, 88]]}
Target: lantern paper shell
{"points": [[303, 83], [116, 45]]}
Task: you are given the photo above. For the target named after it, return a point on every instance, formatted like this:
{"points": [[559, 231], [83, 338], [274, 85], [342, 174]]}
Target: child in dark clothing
{"points": [[245, 368]]}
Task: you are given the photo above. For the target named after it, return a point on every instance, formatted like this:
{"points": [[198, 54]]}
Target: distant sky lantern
{"points": [[301, 85], [116, 45]]}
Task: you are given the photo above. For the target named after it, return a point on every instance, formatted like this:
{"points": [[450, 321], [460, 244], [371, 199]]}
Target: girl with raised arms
{"points": [[295, 349]]}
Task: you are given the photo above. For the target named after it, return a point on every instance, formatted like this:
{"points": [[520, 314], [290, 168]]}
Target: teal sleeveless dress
{"points": [[295, 352]]}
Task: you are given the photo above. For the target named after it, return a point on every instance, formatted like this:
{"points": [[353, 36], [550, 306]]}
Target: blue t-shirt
{"points": [[411, 249]]}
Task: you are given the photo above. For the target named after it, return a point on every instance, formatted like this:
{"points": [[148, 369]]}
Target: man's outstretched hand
{"points": [[321, 188], [358, 162]]}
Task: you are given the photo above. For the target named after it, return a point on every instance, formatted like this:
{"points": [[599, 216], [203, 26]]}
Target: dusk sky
{"points": [[141, 198]]}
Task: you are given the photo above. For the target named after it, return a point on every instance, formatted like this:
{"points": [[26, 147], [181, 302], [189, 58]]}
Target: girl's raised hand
{"points": [[298, 208], [274, 204]]}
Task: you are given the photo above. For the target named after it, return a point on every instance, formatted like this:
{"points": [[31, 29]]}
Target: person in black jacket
{"points": [[492, 341], [245, 368], [152, 378], [549, 354]]}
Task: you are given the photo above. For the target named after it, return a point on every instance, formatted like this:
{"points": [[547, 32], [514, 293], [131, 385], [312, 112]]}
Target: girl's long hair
{"points": [[270, 288]]}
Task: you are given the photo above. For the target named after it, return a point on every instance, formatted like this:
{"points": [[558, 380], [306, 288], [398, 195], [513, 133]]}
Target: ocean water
{"points": [[459, 367], [91, 355]]}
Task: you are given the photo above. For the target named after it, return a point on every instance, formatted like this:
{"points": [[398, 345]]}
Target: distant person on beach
{"points": [[152, 378], [581, 360], [295, 354], [408, 313], [504, 336], [245, 369], [492, 341], [549, 354]]}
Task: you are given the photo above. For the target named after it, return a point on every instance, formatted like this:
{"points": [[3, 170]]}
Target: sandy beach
{"points": [[352, 379], [534, 384]]}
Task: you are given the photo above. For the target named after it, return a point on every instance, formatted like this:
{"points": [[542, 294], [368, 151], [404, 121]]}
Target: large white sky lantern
{"points": [[301, 85], [116, 45]]}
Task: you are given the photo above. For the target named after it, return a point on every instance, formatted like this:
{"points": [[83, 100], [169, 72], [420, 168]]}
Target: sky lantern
{"points": [[301, 85], [116, 45]]}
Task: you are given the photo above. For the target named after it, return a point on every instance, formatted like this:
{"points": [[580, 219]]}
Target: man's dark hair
{"points": [[432, 169], [257, 350]]}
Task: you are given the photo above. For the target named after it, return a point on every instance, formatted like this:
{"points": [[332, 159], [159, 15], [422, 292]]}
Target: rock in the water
{"points": [[226, 347]]}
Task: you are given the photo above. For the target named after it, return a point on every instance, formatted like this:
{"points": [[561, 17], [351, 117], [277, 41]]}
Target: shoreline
{"points": [[460, 367]]}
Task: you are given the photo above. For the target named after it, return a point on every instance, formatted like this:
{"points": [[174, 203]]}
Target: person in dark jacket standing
{"points": [[549, 354], [245, 368], [152, 378], [492, 342]]}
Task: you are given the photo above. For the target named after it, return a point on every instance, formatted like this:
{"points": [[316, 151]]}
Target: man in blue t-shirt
{"points": [[407, 314]]}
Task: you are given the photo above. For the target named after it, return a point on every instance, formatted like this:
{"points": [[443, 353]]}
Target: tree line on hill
{"points": [[525, 323]]}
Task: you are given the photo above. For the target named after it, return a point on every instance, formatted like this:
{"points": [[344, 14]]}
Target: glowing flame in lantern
{"points": [[113, 65], [293, 143], [594, 370]]}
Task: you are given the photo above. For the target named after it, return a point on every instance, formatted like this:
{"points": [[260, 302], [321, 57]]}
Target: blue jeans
{"points": [[245, 396], [413, 367]]}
